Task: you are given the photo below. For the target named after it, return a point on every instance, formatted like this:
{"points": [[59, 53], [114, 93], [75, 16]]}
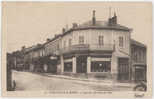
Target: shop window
{"points": [[81, 39], [101, 66], [68, 67]]}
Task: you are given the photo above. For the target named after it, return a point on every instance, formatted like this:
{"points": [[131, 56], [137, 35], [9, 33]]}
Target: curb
{"points": [[85, 80]]}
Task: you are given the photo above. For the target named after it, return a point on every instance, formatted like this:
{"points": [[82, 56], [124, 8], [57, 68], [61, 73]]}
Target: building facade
{"points": [[139, 65], [94, 48], [34, 58]]}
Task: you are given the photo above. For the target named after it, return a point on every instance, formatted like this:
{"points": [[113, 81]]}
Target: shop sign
{"points": [[100, 59], [53, 57]]}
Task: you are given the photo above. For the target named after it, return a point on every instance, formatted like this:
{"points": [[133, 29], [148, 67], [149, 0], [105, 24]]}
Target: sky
{"points": [[29, 23]]}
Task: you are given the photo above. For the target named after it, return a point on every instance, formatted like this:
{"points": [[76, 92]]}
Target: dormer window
{"points": [[81, 39], [121, 41]]}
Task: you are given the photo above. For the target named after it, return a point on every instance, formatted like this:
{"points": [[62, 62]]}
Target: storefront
{"points": [[50, 64], [100, 64], [123, 69], [140, 72], [87, 64]]}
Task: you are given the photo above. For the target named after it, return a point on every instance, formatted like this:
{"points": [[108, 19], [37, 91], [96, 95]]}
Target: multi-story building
{"points": [[33, 57], [138, 56], [18, 58], [52, 47], [94, 48]]}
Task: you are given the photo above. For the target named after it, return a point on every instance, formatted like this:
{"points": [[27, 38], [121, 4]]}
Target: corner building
{"points": [[95, 48]]}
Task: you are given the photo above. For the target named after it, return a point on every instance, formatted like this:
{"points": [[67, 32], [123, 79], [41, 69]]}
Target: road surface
{"points": [[35, 82]]}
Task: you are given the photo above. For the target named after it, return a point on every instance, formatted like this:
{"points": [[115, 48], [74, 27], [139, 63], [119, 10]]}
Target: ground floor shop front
{"points": [[103, 66], [139, 72], [97, 65]]}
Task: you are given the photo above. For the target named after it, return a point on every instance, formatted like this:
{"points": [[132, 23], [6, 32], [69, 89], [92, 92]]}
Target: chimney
{"points": [[110, 21], [56, 35], [63, 30], [23, 47], [48, 40], [93, 19], [38, 44], [113, 20], [75, 25]]}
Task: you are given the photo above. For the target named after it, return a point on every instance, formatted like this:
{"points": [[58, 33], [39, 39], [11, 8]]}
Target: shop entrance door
{"points": [[123, 69], [81, 64]]}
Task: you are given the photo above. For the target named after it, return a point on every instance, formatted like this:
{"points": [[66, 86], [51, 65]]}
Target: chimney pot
{"points": [[23, 47], [75, 25], [113, 20], [48, 39]]}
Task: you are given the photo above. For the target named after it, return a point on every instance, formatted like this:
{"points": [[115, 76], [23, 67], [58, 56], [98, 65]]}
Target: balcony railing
{"points": [[87, 47], [107, 47]]}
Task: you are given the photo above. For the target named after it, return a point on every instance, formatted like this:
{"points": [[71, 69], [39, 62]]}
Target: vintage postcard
{"points": [[77, 49]]}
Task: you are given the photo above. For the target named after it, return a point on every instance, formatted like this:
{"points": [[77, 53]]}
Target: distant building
{"points": [[139, 65], [95, 48], [33, 57], [18, 58]]}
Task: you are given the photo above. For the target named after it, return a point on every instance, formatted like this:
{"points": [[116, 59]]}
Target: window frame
{"points": [[81, 39], [121, 41], [64, 44], [101, 40], [104, 68], [70, 42]]}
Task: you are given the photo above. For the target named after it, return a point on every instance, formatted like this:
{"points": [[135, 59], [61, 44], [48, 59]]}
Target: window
{"points": [[70, 42], [100, 66], [100, 40], [58, 46], [81, 39], [68, 67], [135, 56], [64, 44], [121, 41]]}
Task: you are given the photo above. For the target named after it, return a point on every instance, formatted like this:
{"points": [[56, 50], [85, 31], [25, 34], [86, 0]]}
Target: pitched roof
{"points": [[134, 42], [28, 49], [103, 25], [57, 36], [89, 25]]}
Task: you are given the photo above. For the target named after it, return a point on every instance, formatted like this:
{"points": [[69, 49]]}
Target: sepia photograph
{"points": [[77, 49]]}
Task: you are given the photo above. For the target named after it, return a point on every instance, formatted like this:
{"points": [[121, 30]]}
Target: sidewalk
{"points": [[91, 81]]}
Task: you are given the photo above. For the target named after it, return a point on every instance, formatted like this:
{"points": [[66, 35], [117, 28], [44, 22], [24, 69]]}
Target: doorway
{"points": [[123, 69], [82, 64]]}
